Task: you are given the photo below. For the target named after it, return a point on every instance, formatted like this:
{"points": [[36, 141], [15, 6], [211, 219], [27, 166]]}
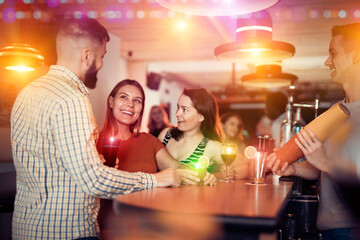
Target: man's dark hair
{"points": [[84, 29], [350, 34]]}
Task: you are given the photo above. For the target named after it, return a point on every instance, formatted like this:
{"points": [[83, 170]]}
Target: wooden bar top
{"points": [[233, 202]]}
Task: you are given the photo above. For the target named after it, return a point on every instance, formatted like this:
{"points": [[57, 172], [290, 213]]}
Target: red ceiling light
{"points": [[254, 42], [216, 7]]}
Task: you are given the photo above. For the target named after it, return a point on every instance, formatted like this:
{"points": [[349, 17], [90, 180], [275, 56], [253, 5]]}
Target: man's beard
{"points": [[91, 76]]}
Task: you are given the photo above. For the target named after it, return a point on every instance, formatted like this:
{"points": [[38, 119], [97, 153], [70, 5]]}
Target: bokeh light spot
{"points": [[140, 14], [9, 15], [52, 3], [314, 14], [78, 14], [357, 14], [37, 15], [327, 14], [342, 14], [130, 14], [93, 14]]}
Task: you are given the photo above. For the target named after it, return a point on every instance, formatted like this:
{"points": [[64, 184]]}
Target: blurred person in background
{"points": [[233, 127], [263, 126], [275, 107], [336, 219], [158, 120]]}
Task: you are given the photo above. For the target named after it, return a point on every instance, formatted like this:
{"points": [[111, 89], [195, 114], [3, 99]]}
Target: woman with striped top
{"points": [[198, 132]]}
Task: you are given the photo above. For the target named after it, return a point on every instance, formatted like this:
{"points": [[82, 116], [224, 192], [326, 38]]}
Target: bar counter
{"points": [[237, 207]]}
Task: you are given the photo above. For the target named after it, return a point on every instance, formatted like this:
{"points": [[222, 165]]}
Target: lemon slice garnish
{"points": [[203, 162], [250, 152]]}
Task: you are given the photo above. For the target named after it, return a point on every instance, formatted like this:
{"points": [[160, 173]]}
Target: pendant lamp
{"points": [[254, 43], [216, 7], [20, 57], [268, 76]]}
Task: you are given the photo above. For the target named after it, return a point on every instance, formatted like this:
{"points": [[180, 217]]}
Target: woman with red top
{"points": [[137, 151]]}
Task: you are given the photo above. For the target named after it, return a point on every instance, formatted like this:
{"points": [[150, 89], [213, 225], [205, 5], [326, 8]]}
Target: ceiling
{"points": [[185, 52]]}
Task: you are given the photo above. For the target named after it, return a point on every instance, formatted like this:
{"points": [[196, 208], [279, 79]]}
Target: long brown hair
{"points": [[204, 102], [110, 127]]}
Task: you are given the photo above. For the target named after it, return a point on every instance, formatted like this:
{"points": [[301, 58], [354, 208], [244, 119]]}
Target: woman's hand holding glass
{"points": [[191, 177], [188, 176], [210, 179], [228, 155], [229, 171]]}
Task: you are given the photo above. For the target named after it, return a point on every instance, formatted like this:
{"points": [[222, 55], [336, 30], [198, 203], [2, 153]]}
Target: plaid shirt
{"points": [[59, 173]]}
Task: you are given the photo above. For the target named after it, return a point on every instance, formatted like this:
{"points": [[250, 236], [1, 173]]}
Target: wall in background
{"points": [[113, 71]]}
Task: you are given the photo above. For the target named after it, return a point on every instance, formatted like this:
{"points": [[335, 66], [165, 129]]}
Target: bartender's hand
{"points": [[168, 178], [210, 179], [313, 149], [188, 176], [273, 163]]}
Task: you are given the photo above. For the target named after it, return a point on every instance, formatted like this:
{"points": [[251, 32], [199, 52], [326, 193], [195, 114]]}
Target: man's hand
{"points": [[312, 148], [168, 178]]}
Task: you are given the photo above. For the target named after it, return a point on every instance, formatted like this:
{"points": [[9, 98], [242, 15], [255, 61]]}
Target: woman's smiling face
{"points": [[126, 105]]}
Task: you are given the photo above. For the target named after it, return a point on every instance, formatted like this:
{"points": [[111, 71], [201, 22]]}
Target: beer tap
{"points": [[288, 128], [287, 124]]}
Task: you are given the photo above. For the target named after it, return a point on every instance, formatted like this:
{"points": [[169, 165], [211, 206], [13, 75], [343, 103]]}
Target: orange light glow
{"points": [[247, 28], [20, 57], [254, 51], [20, 68], [181, 25]]}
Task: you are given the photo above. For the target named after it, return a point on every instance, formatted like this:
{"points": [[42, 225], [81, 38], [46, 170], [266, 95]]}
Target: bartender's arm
{"points": [[313, 151], [303, 169]]}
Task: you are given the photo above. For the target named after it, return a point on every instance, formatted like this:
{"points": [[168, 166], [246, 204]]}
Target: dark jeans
{"points": [[341, 234]]}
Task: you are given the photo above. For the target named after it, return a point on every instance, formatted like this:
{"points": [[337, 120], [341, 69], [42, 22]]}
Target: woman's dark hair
{"points": [[204, 102], [110, 126]]}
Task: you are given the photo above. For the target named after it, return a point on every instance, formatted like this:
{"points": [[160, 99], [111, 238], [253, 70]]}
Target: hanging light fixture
{"points": [[20, 57], [254, 42], [216, 7], [268, 76]]}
